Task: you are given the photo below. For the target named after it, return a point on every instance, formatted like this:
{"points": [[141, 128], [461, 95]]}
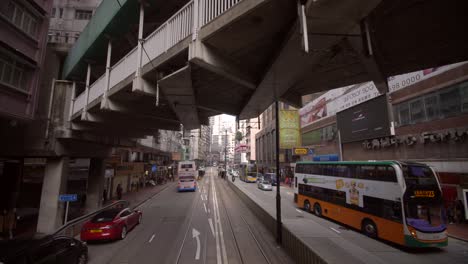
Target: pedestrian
{"points": [[104, 195], [450, 213], [2, 223], [290, 182], [11, 222], [119, 192], [460, 212]]}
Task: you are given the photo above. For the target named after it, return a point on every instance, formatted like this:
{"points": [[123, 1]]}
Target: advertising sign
{"points": [[176, 156], [303, 151], [337, 100], [399, 82], [289, 128], [364, 121]]}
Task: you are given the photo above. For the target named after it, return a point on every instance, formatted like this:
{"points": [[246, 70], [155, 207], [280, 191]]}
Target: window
{"points": [[12, 72], [450, 102], [22, 18], [464, 96], [83, 14], [432, 106], [417, 111], [61, 13], [53, 12], [404, 113]]}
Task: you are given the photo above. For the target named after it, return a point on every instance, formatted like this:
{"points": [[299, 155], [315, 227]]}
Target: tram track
{"points": [[242, 258]]}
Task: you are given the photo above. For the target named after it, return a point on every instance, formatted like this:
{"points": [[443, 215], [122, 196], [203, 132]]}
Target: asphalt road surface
{"points": [[342, 245], [210, 225]]}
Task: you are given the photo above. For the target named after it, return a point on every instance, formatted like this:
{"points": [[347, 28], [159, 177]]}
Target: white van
{"points": [[187, 173]]}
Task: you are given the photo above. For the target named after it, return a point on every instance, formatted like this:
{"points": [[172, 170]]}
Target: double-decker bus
{"points": [[396, 201], [187, 174], [248, 172]]}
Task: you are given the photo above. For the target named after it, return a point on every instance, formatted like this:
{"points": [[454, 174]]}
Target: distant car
{"points": [[271, 177], [264, 185], [47, 250], [111, 224]]}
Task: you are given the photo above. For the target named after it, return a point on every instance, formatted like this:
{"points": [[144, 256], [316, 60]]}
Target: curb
{"points": [[459, 238]]}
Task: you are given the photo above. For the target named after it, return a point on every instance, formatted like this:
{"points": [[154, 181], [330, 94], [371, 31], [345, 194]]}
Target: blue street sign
{"points": [[310, 151], [154, 168], [68, 197], [329, 157]]}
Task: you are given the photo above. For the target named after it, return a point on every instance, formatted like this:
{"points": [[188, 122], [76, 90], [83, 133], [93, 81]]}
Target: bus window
{"points": [[386, 173], [295, 182], [415, 175]]}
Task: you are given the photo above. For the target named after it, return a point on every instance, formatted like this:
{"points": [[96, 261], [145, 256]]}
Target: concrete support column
{"points": [[72, 102], [84, 114], [140, 40], [104, 101], [96, 183], [51, 211]]}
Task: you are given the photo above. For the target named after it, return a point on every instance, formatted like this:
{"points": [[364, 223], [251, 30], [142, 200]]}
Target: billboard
{"points": [[176, 156], [365, 121], [337, 100], [289, 128]]}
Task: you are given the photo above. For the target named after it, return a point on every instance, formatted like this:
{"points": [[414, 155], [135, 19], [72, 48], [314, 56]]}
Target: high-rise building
{"points": [[69, 18]]}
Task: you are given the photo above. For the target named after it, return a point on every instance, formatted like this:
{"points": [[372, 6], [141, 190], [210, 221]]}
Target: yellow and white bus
{"points": [[396, 201]]}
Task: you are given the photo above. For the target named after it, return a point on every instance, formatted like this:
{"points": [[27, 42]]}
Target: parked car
{"points": [[111, 224], [264, 185], [43, 250]]}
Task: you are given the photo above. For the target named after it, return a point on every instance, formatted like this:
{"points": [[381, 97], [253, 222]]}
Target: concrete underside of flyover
{"points": [[253, 54]]}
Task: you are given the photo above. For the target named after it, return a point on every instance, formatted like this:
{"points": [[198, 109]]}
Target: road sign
{"points": [[311, 151], [68, 197]]}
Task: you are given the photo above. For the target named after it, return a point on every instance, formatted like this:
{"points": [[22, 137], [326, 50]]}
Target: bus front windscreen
{"points": [[423, 200]]}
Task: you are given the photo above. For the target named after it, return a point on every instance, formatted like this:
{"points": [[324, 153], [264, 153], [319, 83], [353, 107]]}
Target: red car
{"points": [[111, 224]]}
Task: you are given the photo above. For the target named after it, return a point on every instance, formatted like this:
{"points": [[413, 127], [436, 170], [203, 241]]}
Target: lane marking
{"points": [[299, 211], [218, 249], [204, 206], [335, 230], [196, 235], [210, 221], [151, 239], [218, 222]]}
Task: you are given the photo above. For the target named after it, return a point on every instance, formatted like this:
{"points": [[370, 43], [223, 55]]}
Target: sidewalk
{"points": [[136, 198]]}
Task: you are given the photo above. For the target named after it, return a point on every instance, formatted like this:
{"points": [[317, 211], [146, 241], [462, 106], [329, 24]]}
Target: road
{"points": [[339, 244], [210, 225]]}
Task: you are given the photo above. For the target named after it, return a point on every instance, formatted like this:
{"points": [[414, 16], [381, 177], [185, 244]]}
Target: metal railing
{"points": [[73, 227], [211, 9], [177, 28]]}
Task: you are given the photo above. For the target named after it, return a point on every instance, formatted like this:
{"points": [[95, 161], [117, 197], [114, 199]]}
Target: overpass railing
{"points": [[178, 27]]}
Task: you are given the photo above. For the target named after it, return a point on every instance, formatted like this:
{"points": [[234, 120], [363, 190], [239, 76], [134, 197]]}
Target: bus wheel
{"points": [[307, 206], [369, 228], [317, 210]]}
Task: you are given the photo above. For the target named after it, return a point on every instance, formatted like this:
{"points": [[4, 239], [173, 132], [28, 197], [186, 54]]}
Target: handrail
{"points": [[81, 219]]}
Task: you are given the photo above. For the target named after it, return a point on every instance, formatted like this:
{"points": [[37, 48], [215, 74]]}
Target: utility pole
{"points": [[225, 154], [279, 235]]}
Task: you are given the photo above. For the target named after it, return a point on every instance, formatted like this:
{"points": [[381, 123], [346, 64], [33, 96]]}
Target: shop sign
{"points": [[289, 129], [301, 151]]}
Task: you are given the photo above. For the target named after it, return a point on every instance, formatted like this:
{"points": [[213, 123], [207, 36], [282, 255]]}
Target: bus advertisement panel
{"points": [[396, 201]]}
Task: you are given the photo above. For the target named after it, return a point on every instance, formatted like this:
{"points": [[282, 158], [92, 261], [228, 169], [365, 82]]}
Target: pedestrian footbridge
{"points": [[143, 65]]}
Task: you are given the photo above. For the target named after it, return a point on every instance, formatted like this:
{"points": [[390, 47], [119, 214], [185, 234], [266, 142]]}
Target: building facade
{"points": [[428, 113], [265, 142], [23, 31], [69, 18]]}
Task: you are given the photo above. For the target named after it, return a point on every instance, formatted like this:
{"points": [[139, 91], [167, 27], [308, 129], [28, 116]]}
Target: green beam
{"points": [[112, 18]]}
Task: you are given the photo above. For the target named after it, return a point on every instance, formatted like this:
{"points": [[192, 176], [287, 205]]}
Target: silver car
{"points": [[264, 185]]}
